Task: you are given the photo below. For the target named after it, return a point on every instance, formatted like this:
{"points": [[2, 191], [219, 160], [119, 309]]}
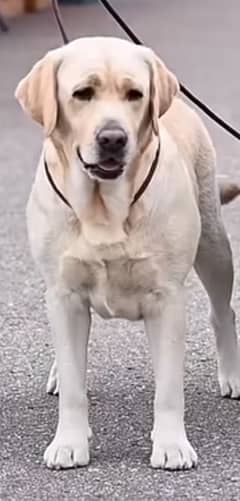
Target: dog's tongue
{"points": [[108, 173], [110, 163]]}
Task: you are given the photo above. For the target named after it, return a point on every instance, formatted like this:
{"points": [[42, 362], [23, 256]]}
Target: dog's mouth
{"points": [[108, 168], [100, 172]]}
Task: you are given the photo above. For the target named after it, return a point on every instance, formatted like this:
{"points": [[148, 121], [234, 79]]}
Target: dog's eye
{"points": [[85, 94], [134, 95]]}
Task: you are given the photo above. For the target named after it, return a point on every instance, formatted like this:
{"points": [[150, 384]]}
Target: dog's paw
{"points": [[60, 454], [229, 375], [229, 382], [173, 455], [53, 381]]}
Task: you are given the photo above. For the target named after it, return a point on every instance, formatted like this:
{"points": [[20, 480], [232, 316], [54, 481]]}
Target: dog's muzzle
{"points": [[111, 143]]}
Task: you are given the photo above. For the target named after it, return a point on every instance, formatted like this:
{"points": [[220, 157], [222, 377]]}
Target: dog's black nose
{"points": [[112, 140]]}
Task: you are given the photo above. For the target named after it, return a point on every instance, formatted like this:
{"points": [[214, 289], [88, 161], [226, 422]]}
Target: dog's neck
{"points": [[103, 208]]}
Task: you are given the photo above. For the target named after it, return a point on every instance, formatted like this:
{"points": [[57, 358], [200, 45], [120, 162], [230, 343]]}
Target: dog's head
{"points": [[102, 97]]}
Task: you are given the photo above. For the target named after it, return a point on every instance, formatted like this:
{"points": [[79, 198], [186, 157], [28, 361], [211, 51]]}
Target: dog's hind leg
{"points": [[215, 268]]}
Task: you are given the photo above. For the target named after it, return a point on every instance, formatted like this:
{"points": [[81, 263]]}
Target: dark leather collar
{"points": [[137, 195]]}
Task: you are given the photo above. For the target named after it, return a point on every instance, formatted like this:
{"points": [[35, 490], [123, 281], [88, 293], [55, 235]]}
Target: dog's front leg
{"points": [[166, 331], [70, 322]]}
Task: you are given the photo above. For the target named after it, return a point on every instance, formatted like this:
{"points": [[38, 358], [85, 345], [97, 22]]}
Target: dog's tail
{"points": [[228, 190]]}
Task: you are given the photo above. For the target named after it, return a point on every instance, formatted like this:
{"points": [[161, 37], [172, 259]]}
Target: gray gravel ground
{"points": [[200, 41]]}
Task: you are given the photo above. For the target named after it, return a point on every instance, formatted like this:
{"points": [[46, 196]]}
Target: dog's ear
{"points": [[37, 93], [163, 87]]}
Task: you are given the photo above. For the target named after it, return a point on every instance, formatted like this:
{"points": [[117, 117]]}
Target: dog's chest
{"points": [[120, 285]]}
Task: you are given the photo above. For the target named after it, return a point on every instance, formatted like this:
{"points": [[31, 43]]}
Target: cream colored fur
{"points": [[122, 261]]}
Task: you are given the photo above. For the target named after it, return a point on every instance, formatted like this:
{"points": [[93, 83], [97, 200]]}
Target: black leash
{"points": [[56, 11], [137, 195], [148, 178], [54, 186], [211, 114]]}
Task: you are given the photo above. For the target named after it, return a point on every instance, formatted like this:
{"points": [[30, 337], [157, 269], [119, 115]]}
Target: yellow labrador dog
{"points": [[111, 115]]}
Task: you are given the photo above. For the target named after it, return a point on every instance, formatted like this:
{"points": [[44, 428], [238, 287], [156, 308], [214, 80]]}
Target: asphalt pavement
{"points": [[200, 41]]}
